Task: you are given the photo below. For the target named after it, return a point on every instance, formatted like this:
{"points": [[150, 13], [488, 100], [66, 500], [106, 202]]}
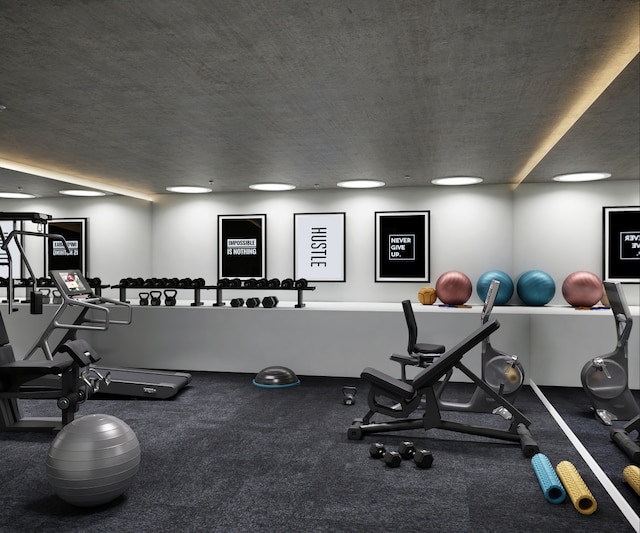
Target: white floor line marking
{"points": [[619, 500]]}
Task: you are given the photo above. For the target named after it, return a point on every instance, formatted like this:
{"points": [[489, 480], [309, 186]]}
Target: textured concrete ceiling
{"points": [[151, 93]]}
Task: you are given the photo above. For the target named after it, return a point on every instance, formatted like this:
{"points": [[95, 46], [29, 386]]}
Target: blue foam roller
{"points": [[549, 481]]}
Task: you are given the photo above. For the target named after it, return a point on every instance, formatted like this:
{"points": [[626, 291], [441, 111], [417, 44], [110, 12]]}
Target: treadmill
{"points": [[95, 315]]}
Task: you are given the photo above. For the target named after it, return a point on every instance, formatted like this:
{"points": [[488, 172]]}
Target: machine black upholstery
{"points": [[418, 353], [15, 377], [398, 399]]}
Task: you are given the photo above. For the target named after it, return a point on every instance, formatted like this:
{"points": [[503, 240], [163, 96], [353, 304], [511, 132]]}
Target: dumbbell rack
{"points": [[197, 301], [300, 290], [197, 292]]}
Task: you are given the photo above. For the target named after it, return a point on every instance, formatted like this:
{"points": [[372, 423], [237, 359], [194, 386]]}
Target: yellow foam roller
{"points": [[631, 475], [576, 488]]}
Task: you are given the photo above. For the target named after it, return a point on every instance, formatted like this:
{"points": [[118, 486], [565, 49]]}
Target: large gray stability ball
{"points": [[93, 460]]}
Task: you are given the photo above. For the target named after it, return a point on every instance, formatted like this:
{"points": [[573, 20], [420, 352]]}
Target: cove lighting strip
{"points": [[599, 83], [84, 182]]}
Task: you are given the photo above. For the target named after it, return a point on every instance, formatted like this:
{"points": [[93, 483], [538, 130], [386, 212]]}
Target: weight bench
{"points": [[72, 386], [398, 399]]}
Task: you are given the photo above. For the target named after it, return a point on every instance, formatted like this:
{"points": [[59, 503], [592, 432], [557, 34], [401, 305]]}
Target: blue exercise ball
{"points": [[93, 460], [536, 287], [505, 291]]}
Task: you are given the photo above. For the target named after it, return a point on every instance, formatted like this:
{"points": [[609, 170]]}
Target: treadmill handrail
{"points": [[81, 323], [95, 303]]}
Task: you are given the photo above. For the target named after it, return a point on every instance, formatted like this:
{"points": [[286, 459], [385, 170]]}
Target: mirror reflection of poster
{"points": [[319, 246], [74, 230], [621, 244], [402, 246], [242, 246]]}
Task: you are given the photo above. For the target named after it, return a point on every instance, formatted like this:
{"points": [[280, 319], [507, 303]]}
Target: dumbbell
{"points": [[391, 458], [253, 302], [301, 283], [170, 296], [199, 282], [261, 283], [237, 302], [273, 283], [223, 283], [422, 458], [287, 283], [235, 283], [270, 301], [144, 298], [249, 283]]}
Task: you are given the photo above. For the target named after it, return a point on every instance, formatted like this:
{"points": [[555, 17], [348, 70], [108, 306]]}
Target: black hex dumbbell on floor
{"points": [[422, 458], [391, 458]]}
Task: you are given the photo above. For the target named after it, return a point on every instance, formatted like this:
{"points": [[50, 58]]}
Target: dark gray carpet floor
{"points": [[226, 456]]}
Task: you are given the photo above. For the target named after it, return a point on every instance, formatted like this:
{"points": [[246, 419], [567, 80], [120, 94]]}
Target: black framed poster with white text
{"points": [[242, 246], [74, 231], [621, 244], [319, 246], [402, 246]]}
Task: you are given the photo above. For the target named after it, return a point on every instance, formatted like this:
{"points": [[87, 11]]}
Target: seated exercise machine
{"points": [[501, 371], [95, 315], [75, 378], [392, 397], [605, 379]]}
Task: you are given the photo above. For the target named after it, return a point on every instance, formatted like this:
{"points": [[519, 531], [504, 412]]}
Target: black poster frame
{"points": [[402, 246], [621, 244], [75, 231], [242, 246]]}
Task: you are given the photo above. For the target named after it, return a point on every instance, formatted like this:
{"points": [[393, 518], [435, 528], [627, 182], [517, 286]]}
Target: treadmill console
{"points": [[72, 283]]}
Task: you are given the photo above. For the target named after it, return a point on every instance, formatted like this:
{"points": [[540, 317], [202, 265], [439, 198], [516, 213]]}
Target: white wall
{"points": [[553, 227], [558, 228], [470, 231]]}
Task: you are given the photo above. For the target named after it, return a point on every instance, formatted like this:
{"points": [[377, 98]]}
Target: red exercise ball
{"points": [[582, 289], [453, 288]]}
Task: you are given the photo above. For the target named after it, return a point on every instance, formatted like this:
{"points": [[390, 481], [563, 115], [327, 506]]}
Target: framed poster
{"points": [[621, 243], [319, 246], [56, 257], [242, 248], [402, 246]]}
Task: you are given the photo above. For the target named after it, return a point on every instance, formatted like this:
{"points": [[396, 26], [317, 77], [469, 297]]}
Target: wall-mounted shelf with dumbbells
{"points": [[153, 290], [273, 284]]}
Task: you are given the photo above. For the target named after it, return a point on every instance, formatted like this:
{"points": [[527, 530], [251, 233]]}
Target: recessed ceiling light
{"points": [[81, 192], [582, 176], [16, 195], [360, 184], [271, 187], [457, 180], [188, 189]]}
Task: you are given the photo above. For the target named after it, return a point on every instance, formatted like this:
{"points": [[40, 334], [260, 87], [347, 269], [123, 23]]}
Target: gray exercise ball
{"points": [[93, 460]]}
